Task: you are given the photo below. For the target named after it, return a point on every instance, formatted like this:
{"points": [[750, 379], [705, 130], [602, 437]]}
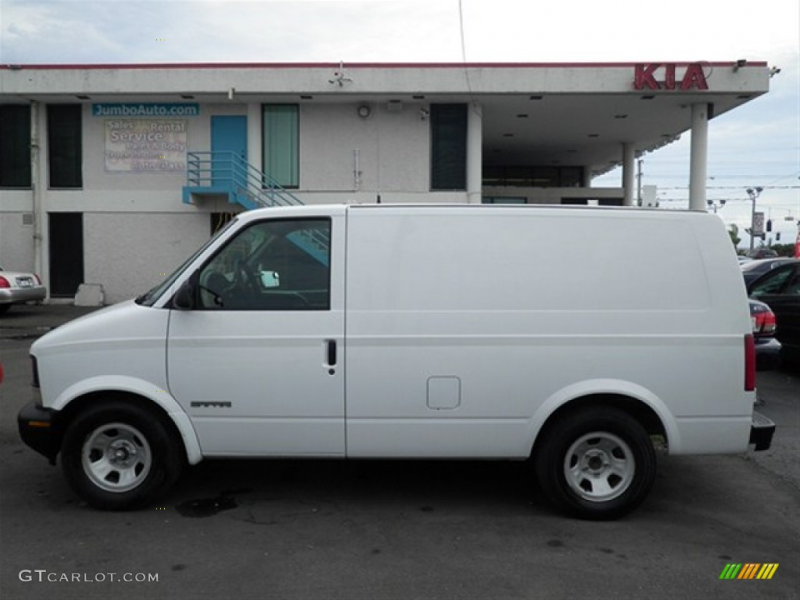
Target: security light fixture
{"points": [[339, 76], [364, 111], [739, 64]]}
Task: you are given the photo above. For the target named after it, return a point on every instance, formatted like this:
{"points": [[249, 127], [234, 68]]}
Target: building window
{"points": [[532, 176], [64, 145], [504, 200], [220, 220], [448, 147], [15, 146], [281, 149]]}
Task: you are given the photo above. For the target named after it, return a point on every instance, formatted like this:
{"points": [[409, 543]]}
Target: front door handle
{"points": [[331, 353]]}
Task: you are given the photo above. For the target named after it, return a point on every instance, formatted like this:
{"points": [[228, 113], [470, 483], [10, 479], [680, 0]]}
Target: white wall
{"points": [[393, 149], [16, 242], [128, 253]]}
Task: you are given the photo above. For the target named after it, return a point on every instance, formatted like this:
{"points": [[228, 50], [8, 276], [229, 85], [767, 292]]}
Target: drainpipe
{"points": [[36, 192]]}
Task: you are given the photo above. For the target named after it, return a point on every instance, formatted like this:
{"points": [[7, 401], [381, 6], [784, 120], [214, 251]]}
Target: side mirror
{"points": [[184, 297]]}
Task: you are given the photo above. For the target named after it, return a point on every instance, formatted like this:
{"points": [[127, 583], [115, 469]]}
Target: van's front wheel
{"points": [[119, 456], [598, 463]]}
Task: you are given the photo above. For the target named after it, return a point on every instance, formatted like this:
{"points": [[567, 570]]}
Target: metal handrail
{"points": [[231, 173]]}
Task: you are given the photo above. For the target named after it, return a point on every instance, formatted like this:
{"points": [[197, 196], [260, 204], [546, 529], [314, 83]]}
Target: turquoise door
{"points": [[228, 143]]}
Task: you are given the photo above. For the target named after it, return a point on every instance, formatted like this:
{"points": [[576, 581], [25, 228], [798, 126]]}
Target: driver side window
{"points": [[771, 284], [272, 265]]}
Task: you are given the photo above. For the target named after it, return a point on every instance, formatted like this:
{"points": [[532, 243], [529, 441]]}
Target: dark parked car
{"points": [[780, 288], [756, 268]]}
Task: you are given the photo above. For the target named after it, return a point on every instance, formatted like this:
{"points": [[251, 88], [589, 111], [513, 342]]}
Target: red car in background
{"points": [[768, 349]]}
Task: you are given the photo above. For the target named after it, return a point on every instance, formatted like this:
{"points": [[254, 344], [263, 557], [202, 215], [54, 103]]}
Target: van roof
{"points": [[456, 205]]}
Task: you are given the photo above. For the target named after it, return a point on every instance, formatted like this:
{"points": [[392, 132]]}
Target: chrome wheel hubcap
{"points": [[599, 466], [116, 457]]}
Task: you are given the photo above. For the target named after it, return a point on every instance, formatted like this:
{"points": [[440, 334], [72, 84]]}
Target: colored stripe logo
{"points": [[749, 571]]}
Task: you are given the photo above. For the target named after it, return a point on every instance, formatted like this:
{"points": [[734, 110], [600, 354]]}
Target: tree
{"points": [[733, 231], [784, 249]]}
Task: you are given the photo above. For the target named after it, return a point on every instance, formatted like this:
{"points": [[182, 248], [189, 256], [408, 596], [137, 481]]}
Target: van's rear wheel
{"points": [[119, 456], [597, 463]]}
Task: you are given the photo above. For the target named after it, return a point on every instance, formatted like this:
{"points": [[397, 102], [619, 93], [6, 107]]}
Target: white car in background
{"points": [[18, 288]]}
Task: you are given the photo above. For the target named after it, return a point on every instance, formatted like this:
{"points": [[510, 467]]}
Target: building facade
{"points": [[112, 175]]}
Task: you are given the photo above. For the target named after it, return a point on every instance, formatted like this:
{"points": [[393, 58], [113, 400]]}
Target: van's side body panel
{"points": [[522, 310]]}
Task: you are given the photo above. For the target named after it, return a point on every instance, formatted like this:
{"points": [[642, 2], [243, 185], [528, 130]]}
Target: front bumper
{"points": [[39, 428], [761, 432]]}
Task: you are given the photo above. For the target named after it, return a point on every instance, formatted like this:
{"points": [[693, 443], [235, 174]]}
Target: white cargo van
{"points": [[568, 336]]}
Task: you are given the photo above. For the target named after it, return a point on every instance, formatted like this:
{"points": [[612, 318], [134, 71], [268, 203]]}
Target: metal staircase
{"points": [[228, 174], [210, 174]]}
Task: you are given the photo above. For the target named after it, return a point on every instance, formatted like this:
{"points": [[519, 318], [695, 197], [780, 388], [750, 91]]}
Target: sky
{"points": [[757, 144]]}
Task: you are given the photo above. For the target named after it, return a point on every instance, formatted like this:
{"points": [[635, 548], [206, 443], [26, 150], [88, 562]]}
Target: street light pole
{"points": [[754, 193]]}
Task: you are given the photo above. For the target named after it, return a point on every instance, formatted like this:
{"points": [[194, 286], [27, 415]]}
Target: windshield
{"points": [[764, 265], [149, 298]]}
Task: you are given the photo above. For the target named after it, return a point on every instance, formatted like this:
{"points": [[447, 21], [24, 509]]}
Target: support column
{"points": [[698, 168], [628, 172], [38, 182], [474, 153]]}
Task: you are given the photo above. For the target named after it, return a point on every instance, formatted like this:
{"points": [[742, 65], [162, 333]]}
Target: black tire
{"points": [[119, 456], [596, 463], [4, 308]]}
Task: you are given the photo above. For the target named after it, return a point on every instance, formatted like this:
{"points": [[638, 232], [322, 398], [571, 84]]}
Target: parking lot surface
{"points": [[394, 530]]}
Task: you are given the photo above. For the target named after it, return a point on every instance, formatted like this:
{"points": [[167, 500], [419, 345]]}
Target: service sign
{"points": [[145, 145]]}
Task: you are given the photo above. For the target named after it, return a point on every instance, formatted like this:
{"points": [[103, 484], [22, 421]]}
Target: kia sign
{"points": [[692, 78]]}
